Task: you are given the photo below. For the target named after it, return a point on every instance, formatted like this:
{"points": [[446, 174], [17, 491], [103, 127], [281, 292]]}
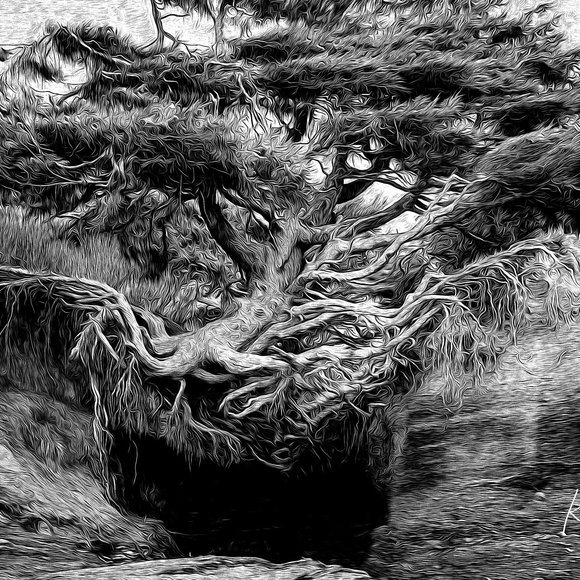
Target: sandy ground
{"points": [[483, 493]]}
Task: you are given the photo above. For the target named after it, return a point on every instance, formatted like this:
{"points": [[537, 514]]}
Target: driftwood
{"points": [[209, 568]]}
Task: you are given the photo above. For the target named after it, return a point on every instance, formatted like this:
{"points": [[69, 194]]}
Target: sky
{"points": [[570, 11], [21, 21]]}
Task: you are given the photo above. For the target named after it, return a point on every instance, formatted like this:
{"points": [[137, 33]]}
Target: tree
{"points": [[214, 9], [329, 318], [324, 13]]}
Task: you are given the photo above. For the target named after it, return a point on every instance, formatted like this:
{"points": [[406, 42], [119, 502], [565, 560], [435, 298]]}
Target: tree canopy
{"points": [[294, 155]]}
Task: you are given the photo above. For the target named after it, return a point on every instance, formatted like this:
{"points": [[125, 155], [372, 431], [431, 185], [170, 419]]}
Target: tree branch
{"points": [[244, 252]]}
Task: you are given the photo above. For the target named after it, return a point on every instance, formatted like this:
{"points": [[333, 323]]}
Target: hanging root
{"points": [[331, 360], [175, 406]]}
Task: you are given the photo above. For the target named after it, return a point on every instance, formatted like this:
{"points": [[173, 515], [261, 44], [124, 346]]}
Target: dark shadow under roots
{"points": [[251, 509]]}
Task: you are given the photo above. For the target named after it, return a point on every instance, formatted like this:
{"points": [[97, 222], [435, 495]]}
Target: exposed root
{"points": [[325, 360]]}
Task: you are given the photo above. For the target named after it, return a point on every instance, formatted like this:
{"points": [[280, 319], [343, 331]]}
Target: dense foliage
{"points": [[259, 159]]}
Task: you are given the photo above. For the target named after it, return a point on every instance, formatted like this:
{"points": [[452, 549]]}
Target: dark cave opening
{"points": [[251, 509]]}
